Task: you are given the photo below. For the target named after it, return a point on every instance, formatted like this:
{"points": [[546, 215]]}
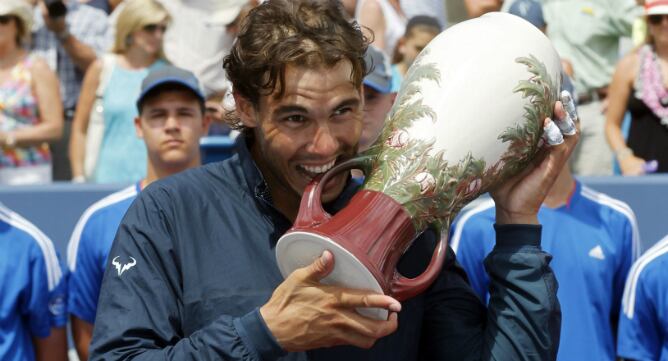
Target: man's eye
{"points": [[342, 111], [295, 119]]}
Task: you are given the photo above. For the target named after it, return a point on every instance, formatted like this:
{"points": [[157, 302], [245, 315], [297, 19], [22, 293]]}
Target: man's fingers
{"points": [[569, 105], [357, 299], [364, 332], [552, 133], [317, 270], [564, 120]]}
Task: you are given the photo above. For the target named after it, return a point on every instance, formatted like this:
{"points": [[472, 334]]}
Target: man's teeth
{"points": [[319, 169]]}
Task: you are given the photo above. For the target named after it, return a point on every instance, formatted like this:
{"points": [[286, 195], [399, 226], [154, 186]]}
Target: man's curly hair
{"points": [[278, 33]]}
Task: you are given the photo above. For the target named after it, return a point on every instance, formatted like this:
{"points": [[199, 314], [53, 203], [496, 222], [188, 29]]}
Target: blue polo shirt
{"points": [[89, 247], [593, 240], [32, 287], [643, 326]]}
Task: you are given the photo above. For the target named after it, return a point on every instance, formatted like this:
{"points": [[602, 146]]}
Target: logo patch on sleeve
{"points": [[120, 268]]}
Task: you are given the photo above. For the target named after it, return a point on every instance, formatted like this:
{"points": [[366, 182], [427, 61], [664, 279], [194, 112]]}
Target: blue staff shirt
{"points": [[593, 239], [643, 326], [89, 247], [32, 287]]}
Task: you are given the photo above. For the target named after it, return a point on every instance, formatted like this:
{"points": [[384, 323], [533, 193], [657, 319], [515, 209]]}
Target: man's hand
{"points": [[519, 198], [304, 314], [55, 25]]}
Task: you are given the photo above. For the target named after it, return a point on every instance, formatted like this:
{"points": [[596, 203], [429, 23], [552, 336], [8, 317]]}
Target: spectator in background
{"points": [[638, 85], [378, 96], [171, 121], [594, 240], [33, 292], [420, 30], [30, 107], [385, 19], [476, 8], [433, 8], [201, 35], [69, 43], [138, 48], [643, 328], [587, 34]]}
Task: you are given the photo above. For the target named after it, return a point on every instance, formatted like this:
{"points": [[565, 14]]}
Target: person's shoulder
{"points": [[478, 218], [606, 205], [629, 63], [222, 178], [111, 204], [647, 271], [27, 237]]}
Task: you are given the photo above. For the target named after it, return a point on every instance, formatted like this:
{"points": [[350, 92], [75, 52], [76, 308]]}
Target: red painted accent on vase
{"points": [[375, 229]]}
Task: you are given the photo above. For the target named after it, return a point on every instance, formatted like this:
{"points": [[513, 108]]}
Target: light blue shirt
{"points": [[122, 157]]}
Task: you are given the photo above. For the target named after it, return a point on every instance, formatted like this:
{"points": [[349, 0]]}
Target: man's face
{"points": [[314, 125], [376, 107], [171, 124], [413, 44]]}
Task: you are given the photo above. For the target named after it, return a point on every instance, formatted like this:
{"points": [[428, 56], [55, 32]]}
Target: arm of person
{"points": [[81, 53], [43, 305], [619, 92], [77, 146], [639, 335], [85, 257], [52, 347], [139, 310], [372, 21], [82, 332], [522, 321], [46, 89]]}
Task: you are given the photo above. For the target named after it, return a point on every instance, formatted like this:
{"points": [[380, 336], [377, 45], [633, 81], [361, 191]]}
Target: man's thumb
{"points": [[321, 267]]}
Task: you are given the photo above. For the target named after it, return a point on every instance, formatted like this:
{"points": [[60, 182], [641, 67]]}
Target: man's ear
{"points": [[245, 110], [207, 119], [138, 130]]}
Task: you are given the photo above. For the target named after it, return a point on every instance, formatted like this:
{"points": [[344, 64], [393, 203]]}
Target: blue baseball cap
{"points": [[169, 74], [529, 10], [379, 75]]}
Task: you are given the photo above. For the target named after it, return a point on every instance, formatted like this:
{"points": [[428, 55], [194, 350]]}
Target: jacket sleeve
{"points": [[523, 318], [140, 306]]}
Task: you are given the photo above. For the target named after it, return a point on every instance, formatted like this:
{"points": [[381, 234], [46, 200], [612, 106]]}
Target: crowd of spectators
{"points": [[73, 75]]}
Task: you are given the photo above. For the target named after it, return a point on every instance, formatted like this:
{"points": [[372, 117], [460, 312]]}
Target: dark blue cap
{"points": [[529, 10], [379, 75], [169, 74]]}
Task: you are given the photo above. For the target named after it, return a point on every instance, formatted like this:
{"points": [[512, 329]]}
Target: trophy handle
{"points": [[404, 288], [311, 212]]}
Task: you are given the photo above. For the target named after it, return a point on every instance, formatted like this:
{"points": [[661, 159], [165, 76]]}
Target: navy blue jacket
{"points": [[196, 261]]}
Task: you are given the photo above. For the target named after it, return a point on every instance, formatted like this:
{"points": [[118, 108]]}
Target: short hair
{"points": [[135, 15], [279, 33], [170, 87], [423, 23]]}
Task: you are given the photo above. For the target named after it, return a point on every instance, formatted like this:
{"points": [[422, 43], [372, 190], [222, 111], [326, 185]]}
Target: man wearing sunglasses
{"points": [[69, 35]]}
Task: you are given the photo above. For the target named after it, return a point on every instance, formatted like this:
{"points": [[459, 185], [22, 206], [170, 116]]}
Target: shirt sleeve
{"points": [[639, 334], [140, 308], [44, 302], [85, 271], [522, 321]]}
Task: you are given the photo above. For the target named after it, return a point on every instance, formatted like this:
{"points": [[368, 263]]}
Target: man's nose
{"points": [[324, 141]]}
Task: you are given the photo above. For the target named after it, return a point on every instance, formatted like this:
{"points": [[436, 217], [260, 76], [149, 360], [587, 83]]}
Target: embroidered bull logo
{"points": [[122, 268]]}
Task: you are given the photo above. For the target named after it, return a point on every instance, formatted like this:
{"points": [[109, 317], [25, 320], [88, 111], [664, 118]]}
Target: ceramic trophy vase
{"points": [[469, 115]]}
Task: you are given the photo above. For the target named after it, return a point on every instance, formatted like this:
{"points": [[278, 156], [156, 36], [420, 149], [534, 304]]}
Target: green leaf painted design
{"points": [[431, 190]]}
